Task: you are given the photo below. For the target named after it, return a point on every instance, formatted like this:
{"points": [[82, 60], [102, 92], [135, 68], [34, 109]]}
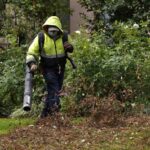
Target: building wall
{"points": [[75, 18]]}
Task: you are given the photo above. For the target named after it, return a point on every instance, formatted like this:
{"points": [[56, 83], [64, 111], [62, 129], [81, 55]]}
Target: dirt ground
{"points": [[60, 132], [106, 128]]}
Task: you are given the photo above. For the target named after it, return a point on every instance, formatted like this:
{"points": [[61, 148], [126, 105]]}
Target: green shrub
{"points": [[11, 79], [121, 68]]}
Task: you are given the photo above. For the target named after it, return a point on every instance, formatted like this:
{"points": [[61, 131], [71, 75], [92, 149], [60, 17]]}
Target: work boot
{"points": [[54, 109], [44, 113]]}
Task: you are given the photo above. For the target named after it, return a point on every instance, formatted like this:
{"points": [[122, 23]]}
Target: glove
{"points": [[68, 47], [33, 67]]}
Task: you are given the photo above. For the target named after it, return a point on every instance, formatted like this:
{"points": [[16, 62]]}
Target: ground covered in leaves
{"points": [[64, 133], [105, 128]]}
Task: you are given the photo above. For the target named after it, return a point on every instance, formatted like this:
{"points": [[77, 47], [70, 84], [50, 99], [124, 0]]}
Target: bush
{"points": [[122, 67], [11, 79], [119, 65]]}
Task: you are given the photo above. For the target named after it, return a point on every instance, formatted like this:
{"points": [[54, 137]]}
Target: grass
{"points": [[78, 136], [8, 124]]}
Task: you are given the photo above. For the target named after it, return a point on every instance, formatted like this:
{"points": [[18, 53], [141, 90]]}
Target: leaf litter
{"points": [[104, 128]]}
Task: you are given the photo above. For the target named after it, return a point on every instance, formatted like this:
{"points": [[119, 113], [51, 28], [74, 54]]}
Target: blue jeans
{"points": [[54, 80]]}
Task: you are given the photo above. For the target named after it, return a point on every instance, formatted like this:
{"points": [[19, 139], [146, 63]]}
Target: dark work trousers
{"points": [[54, 80]]}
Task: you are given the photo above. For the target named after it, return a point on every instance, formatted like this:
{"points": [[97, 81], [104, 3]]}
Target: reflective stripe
{"points": [[30, 59], [52, 56]]}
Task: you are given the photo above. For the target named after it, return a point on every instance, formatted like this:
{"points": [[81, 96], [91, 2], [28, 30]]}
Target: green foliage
{"points": [[113, 60], [24, 19], [11, 79], [20, 21], [107, 11], [39, 9], [122, 68], [12, 82]]}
